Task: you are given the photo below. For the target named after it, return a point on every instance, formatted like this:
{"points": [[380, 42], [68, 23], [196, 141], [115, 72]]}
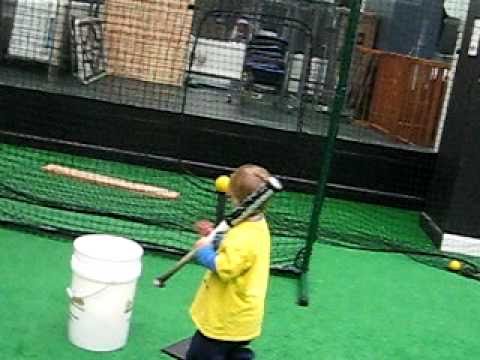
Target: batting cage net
{"points": [[264, 63], [280, 66], [66, 194]]}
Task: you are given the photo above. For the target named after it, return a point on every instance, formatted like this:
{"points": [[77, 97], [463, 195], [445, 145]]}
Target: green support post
{"points": [[346, 59]]}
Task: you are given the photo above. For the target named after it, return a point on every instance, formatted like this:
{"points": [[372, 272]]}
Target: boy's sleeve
{"points": [[235, 256], [206, 256]]}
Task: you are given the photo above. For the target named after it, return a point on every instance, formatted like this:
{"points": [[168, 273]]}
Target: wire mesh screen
{"points": [[248, 74], [137, 53], [231, 36], [119, 51], [74, 195], [238, 62], [401, 74], [403, 69], [269, 64]]}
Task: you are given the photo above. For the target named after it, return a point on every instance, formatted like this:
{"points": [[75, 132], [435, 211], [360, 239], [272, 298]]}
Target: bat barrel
{"points": [[274, 184]]}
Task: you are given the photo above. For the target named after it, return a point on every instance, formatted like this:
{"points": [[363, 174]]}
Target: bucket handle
{"points": [[80, 298]]}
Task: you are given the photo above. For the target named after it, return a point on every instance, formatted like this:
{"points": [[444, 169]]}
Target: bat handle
{"points": [[161, 280]]}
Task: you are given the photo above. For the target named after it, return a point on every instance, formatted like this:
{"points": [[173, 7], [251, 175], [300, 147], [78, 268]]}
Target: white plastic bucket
{"points": [[105, 273]]}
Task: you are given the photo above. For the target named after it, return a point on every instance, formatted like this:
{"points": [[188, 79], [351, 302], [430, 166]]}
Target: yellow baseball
{"points": [[455, 265], [222, 183]]}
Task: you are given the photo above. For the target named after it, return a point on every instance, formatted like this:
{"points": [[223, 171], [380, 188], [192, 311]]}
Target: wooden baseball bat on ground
{"points": [[145, 189]]}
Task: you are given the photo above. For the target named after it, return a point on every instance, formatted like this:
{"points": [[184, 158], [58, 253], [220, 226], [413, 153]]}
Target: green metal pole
{"points": [[346, 59]]}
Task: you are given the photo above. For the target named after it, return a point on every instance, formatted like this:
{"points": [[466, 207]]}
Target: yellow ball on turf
{"points": [[222, 183], [455, 265]]}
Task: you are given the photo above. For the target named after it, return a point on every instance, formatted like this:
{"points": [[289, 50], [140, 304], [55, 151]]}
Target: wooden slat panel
{"points": [[407, 97], [148, 39]]}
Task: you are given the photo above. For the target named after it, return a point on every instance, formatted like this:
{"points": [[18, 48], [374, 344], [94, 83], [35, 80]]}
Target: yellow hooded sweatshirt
{"points": [[229, 304]]}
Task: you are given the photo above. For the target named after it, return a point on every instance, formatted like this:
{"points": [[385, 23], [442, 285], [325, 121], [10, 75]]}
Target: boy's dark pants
{"points": [[204, 348]]}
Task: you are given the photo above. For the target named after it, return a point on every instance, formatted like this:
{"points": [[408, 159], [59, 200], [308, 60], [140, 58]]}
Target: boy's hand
{"points": [[204, 227]]}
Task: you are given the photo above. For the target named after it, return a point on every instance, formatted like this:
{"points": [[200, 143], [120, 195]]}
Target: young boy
{"points": [[229, 306]]}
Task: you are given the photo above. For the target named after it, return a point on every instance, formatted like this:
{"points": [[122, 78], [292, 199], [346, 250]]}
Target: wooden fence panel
{"points": [[148, 39], [406, 97]]}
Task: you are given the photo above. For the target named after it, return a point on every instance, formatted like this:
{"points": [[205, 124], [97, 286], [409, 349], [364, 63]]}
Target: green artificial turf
{"points": [[364, 306]]}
